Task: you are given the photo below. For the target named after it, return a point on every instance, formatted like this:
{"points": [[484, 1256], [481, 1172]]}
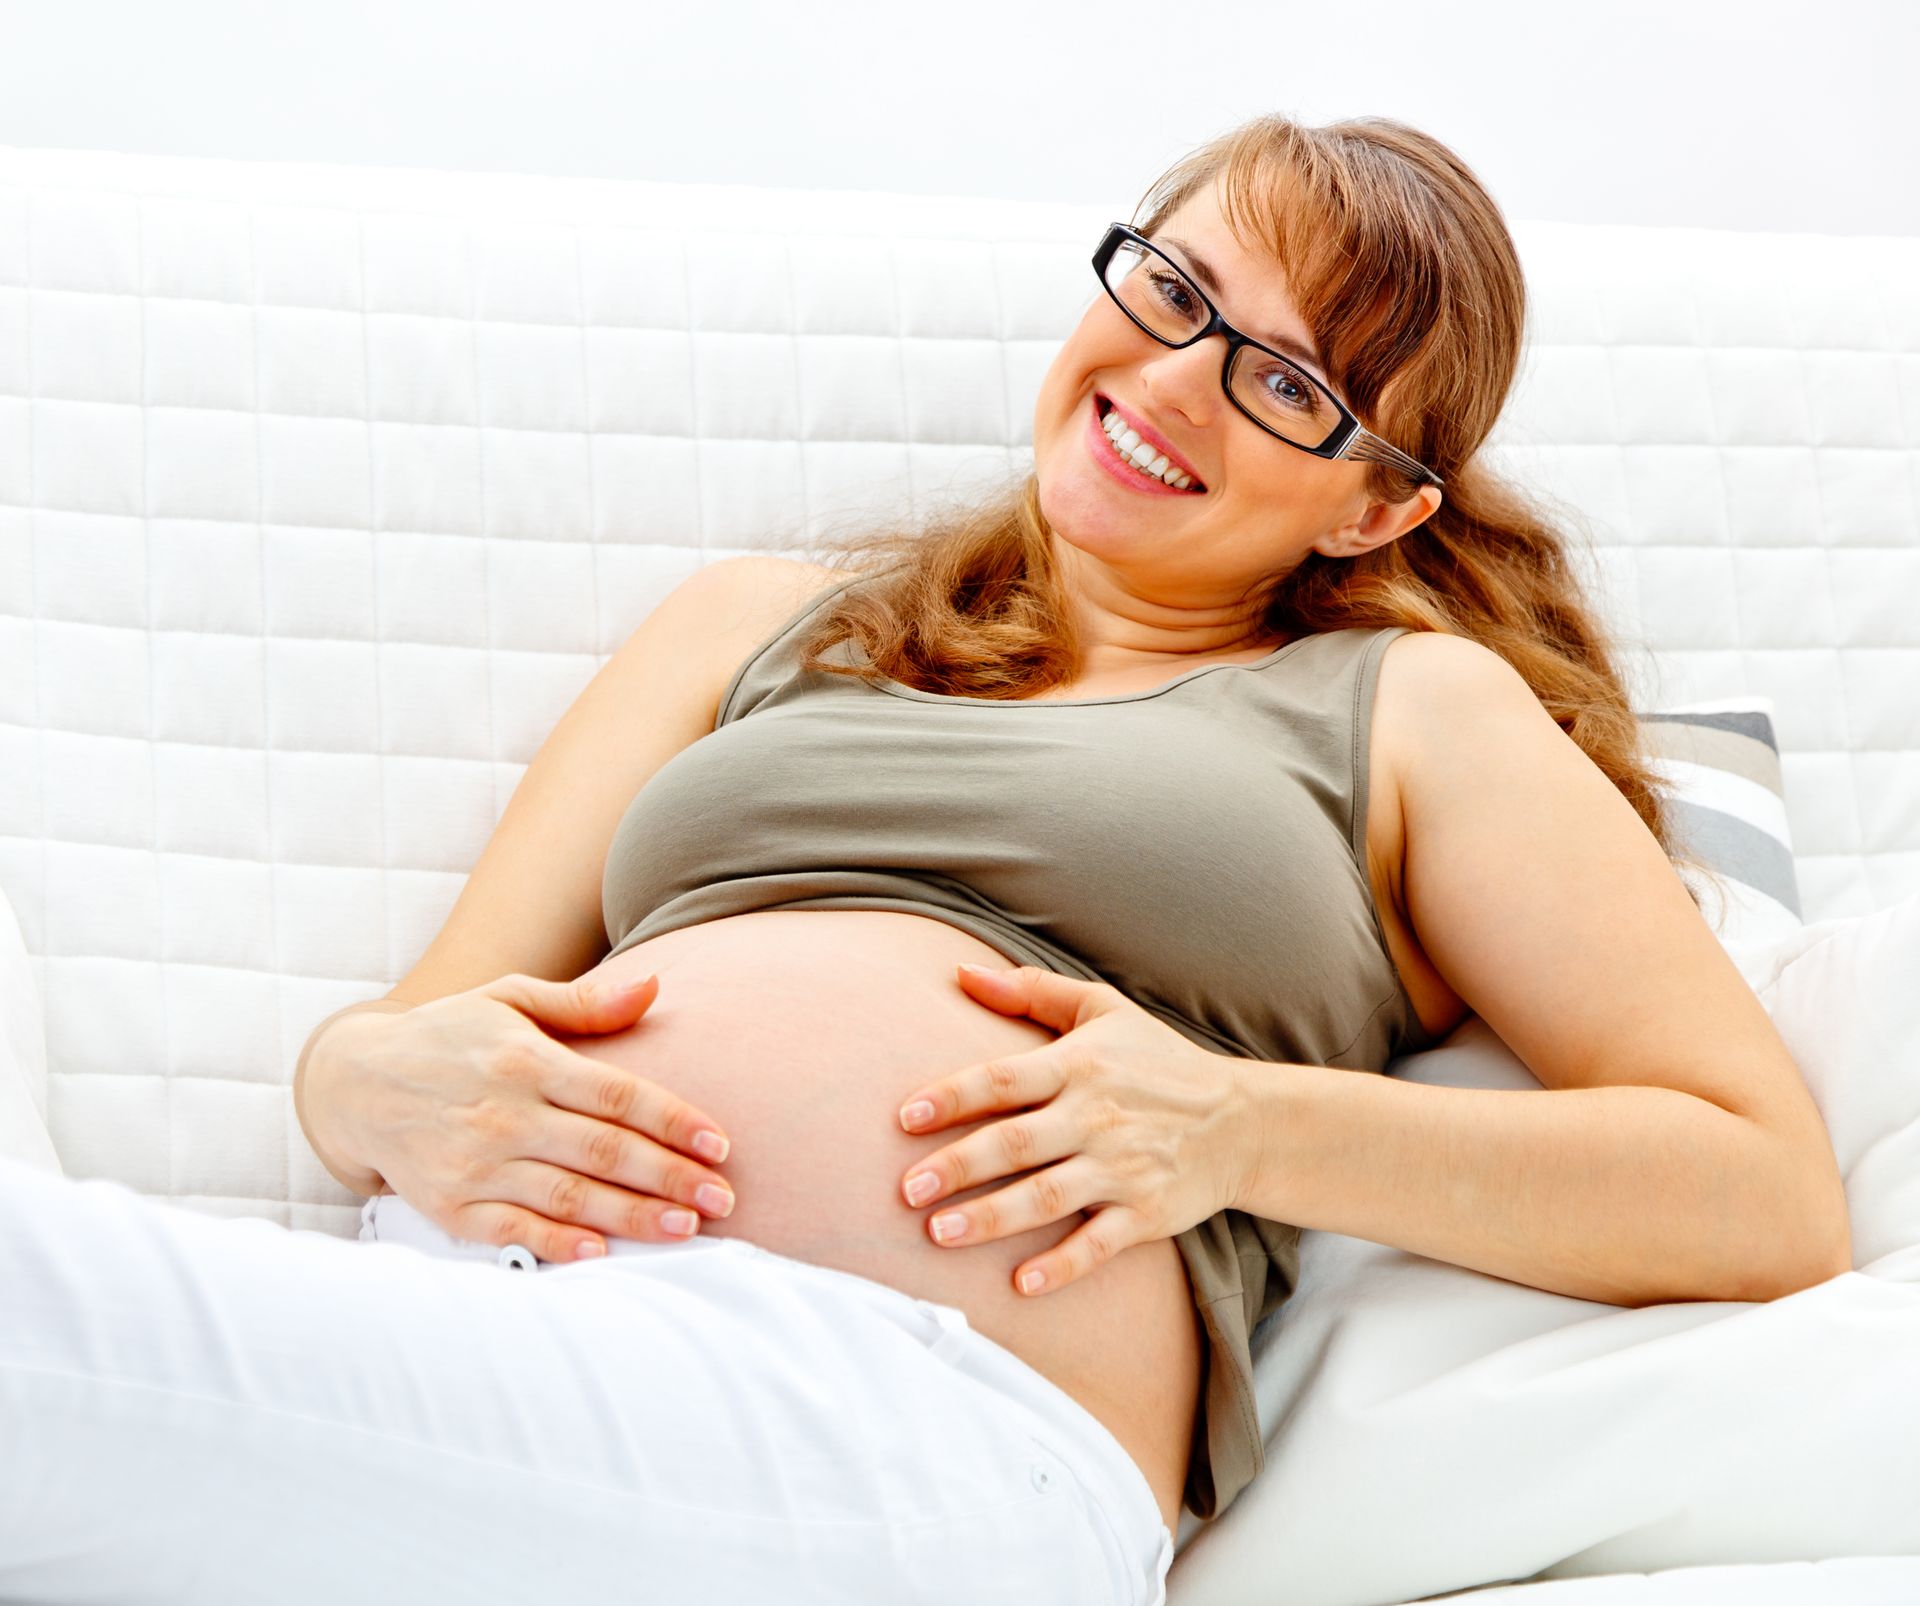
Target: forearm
{"points": [[1626, 1195], [310, 1099]]}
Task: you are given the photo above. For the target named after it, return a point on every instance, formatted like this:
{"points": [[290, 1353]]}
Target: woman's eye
{"points": [[1297, 394], [1174, 291]]}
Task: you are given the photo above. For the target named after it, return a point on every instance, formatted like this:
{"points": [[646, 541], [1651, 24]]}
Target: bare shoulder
{"points": [[727, 608], [764, 588], [1432, 685], [1436, 695]]}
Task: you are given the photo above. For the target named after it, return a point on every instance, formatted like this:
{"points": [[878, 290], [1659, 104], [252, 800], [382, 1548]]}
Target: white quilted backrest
{"points": [[324, 490]]}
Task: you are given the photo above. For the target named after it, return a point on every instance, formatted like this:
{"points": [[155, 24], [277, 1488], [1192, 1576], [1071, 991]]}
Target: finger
{"points": [[577, 1081], [1036, 1201], [611, 1154], [492, 1222], [572, 1200], [1002, 1148], [1014, 1083], [593, 1004], [1079, 1254], [1061, 1002]]}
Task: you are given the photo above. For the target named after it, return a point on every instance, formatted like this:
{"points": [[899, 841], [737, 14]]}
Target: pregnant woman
{"points": [[1232, 799]]}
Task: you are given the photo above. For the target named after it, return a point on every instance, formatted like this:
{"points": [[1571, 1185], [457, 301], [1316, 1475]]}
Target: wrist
{"points": [[1265, 1097], [311, 1078]]}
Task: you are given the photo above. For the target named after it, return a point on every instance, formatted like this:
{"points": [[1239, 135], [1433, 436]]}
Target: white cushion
{"points": [[1433, 1428], [23, 1054]]}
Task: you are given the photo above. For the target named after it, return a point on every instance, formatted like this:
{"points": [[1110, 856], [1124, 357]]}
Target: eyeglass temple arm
{"points": [[1369, 447]]}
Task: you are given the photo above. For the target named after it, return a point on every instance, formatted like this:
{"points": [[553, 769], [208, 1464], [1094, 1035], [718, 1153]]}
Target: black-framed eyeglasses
{"points": [[1269, 387]]}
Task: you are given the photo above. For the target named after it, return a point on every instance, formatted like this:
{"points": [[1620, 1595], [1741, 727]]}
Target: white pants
{"points": [[200, 1411]]}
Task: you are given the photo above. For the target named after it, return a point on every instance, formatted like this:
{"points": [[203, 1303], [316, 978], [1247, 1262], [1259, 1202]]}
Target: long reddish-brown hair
{"points": [[1404, 272]]}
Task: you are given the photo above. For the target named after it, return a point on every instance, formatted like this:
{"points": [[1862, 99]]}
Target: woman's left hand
{"points": [[1144, 1124]]}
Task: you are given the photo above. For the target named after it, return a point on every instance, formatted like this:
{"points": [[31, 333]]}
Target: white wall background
{"points": [[1763, 115]]}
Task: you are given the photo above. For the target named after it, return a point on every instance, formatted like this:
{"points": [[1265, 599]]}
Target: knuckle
{"points": [[616, 1095], [1002, 1078], [489, 1123], [1017, 1140], [502, 1225], [605, 1148], [678, 1123], [566, 1197], [1049, 1195], [518, 1061], [641, 1219]]}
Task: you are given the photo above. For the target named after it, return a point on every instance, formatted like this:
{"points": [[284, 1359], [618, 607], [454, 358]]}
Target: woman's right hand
{"points": [[498, 1133]]}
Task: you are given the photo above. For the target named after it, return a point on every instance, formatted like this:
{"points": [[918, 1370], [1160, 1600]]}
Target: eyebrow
{"points": [[1280, 342]]}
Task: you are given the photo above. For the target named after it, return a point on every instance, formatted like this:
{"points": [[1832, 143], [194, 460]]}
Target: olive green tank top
{"points": [[1201, 846]]}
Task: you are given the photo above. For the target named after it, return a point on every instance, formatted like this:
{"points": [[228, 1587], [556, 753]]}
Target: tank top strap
{"points": [[772, 663], [1321, 690]]}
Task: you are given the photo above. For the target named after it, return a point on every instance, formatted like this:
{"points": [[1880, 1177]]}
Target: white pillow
{"points": [[23, 1054], [1432, 1428]]}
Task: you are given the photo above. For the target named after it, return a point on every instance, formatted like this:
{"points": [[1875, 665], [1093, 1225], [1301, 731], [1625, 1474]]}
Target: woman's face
{"points": [[1265, 505]]}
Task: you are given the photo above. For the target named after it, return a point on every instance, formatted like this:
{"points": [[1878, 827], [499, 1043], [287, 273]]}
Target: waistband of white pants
{"points": [[1139, 1546]]}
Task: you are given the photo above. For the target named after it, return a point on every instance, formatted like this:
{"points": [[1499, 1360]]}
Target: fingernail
{"points": [[981, 970], [711, 1147], [950, 1226], [916, 1114], [680, 1222], [716, 1199], [1031, 1282], [922, 1187], [590, 1249]]}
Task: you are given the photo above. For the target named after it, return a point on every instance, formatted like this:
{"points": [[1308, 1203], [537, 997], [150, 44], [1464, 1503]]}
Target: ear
{"points": [[1379, 523]]}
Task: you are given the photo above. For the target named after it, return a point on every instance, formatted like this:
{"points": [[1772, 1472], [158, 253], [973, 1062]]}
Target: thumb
{"points": [[1061, 1002], [586, 1006]]}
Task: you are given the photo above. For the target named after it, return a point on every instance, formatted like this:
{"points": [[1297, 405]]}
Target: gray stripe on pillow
{"points": [[1741, 721], [1735, 849], [1718, 750]]}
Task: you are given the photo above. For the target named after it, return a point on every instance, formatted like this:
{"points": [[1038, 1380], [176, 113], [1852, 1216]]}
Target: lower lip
{"points": [[1103, 454]]}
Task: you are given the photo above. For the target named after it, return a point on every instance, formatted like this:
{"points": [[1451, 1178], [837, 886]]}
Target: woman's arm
{"points": [[532, 901], [1676, 1152], [531, 905]]}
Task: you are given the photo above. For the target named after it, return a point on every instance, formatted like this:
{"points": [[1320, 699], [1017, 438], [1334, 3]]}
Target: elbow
{"points": [[1827, 1257], [1816, 1238]]}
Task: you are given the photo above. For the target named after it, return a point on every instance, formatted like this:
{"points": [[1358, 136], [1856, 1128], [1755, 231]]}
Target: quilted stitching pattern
{"points": [[324, 490]]}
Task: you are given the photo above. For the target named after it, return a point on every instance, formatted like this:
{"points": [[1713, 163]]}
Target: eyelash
{"points": [[1305, 387]]}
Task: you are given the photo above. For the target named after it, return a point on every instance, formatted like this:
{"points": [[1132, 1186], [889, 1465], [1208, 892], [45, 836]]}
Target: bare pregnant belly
{"points": [[801, 1032]]}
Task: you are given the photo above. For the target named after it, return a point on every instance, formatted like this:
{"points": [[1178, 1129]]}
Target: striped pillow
{"points": [[1721, 763]]}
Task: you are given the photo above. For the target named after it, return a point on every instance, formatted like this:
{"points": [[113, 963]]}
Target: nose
{"points": [[1187, 380]]}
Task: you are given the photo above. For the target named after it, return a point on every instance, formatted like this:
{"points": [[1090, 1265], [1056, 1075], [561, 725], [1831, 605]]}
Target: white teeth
{"points": [[1127, 443]]}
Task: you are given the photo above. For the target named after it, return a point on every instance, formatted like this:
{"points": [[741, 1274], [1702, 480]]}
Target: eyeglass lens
{"points": [[1163, 300]]}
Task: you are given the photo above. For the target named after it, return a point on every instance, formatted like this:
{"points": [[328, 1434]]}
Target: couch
{"points": [[324, 490]]}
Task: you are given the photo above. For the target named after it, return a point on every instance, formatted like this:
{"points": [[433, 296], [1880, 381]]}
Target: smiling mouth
{"points": [[1193, 487]]}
